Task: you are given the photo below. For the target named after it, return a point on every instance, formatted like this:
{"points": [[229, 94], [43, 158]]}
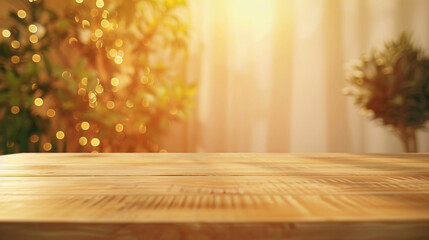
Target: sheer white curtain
{"points": [[270, 73]]}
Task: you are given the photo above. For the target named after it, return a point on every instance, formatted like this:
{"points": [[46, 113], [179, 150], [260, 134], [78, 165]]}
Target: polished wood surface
{"points": [[214, 196]]}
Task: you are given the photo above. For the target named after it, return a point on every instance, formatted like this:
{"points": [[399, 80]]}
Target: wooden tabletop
{"points": [[214, 196]]}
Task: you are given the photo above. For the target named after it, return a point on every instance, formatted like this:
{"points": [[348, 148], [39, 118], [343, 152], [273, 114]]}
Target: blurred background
{"points": [[196, 75]]}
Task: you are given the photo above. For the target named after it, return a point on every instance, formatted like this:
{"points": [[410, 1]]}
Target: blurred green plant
{"points": [[92, 75], [392, 85]]}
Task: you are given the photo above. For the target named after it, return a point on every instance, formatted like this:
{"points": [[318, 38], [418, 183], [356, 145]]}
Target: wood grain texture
{"points": [[214, 196]]}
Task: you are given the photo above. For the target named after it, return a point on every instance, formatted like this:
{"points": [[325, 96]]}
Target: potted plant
{"points": [[392, 85]]}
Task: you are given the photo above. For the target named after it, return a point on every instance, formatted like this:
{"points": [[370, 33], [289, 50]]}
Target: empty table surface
{"points": [[214, 196]]}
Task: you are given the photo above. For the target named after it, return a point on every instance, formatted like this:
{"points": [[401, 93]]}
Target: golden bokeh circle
{"points": [[14, 109], [84, 125], [119, 127], [50, 113], [118, 59], [110, 105], [99, 3], [95, 142], [47, 146], [15, 44], [36, 58], [34, 138], [98, 33], [83, 141], [38, 102], [60, 135], [6, 33], [32, 28], [15, 59], [114, 82], [21, 14], [33, 38]]}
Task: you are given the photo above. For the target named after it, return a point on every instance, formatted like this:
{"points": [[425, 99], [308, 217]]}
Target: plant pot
{"points": [[408, 138]]}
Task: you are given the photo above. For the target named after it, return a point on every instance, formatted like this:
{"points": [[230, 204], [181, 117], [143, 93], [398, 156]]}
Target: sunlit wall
{"points": [[271, 72]]}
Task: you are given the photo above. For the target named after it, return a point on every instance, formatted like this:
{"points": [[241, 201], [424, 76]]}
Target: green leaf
{"points": [[12, 80], [80, 65], [5, 50], [62, 26]]}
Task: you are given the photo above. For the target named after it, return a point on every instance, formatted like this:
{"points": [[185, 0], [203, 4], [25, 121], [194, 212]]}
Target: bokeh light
{"points": [[47, 146], [35, 58], [114, 81], [33, 38], [21, 14], [50, 113], [98, 33], [38, 102], [60, 135], [83, 141], [119, 127], [85, 125], [118, 59], [15, 59], [142, 128], [5, 33], [85, 23], [110, 105], [32, 28], [118, 43], [95, 142], [34, 138], [14, 109], [15, 44], [99, 3]]}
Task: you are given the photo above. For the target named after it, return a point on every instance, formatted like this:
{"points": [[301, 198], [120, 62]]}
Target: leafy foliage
{"points": [[116, 65], [392, 84]]}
